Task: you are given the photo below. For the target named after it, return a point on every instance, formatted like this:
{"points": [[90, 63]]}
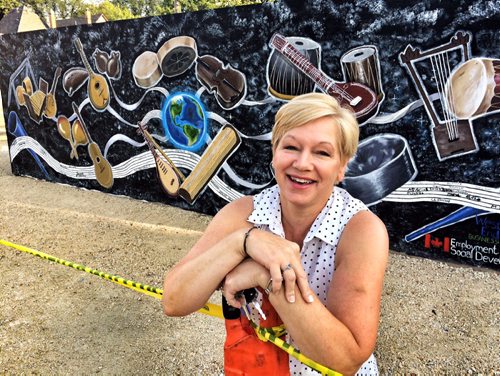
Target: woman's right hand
{"points": [[282, 258], [249, 273]]}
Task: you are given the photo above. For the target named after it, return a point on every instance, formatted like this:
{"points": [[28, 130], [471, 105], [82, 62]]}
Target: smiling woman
{"points": [[313, 140], [307, 164], [316, 255]]}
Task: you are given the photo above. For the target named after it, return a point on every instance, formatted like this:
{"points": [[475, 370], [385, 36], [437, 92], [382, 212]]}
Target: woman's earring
{"points": [[271, 167]]}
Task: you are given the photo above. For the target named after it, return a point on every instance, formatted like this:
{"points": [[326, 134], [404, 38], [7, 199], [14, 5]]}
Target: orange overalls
{"points": [[246, 354]]}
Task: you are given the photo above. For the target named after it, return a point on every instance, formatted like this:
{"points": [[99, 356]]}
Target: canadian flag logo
{"points": [[437, 243]]}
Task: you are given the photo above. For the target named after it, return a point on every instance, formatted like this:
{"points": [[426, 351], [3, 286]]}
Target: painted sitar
{"points": [[360, 98], [168, 175]]}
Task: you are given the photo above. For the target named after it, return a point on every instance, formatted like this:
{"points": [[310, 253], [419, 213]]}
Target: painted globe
{"points": [[185, 121]]}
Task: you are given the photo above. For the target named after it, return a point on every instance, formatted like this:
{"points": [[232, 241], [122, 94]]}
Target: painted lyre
{"points": [[452, 137]]}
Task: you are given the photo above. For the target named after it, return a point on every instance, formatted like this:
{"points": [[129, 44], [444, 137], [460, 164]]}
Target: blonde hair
{"points": [[307, 107]]}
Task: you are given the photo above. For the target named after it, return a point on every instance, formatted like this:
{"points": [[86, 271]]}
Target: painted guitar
{"points": [[168, 175], [360, 98], [102, 168], [51, 105], [97, 86]]}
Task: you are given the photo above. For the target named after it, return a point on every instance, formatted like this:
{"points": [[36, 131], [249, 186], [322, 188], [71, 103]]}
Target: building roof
{"points": [[82, 20], [24, 18], [21, 19]]}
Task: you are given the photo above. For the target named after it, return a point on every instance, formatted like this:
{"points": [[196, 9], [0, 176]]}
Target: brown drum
{"points": [[361, 65], [473, 88], [285, 81], [146, 70]]}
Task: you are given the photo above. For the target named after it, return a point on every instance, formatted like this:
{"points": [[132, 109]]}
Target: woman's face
{"points": [[307, 163]]}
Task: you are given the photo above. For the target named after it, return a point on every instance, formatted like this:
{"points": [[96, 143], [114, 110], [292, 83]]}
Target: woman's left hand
{"points": [[247, 274], [282, 259]]}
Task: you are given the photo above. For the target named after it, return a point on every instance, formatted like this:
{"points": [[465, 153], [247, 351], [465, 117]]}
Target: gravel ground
{"points": [[437, 318]]}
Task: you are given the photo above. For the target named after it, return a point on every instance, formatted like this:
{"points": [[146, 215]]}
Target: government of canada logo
{"points": [[432, 242]]}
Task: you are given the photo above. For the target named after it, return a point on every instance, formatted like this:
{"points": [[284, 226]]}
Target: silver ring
{"points": [[269, 287], [288, 267]]}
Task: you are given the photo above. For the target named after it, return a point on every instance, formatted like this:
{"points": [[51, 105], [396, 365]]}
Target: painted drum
{"points": [[146, 70], [473, 88], [361, 65], [382, 164], [286, 81]]}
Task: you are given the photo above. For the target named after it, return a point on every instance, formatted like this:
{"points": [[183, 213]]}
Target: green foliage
{"points": [[119, 9], [62, 8], [141, 8], [111, 11], [7, 5], [191, 5], [68, 8]]}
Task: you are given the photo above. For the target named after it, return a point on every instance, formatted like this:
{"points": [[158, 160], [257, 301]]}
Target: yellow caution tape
{"points": [[209, 309], [267, 335]]}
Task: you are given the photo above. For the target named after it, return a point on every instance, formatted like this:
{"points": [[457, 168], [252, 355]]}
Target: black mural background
{"points": [[240, 36]]}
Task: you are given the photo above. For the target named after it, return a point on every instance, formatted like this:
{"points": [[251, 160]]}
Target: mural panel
{"points": [[178, 109]]}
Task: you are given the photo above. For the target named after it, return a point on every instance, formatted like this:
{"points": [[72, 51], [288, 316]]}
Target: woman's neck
{"points": [[297, 222]]}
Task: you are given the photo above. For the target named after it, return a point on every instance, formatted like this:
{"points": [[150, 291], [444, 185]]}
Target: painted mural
{"points": [[178, 109]]}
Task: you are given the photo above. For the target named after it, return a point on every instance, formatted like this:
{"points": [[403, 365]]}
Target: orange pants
{"points": [[246, 354]]}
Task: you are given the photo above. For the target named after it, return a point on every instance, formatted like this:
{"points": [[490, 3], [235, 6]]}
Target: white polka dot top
{"points": [[318, 250]]}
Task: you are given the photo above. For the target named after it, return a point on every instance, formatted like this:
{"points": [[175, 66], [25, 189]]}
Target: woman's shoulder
{"points": [[241, 207], [231, 217], [366, 220], [365, 232], [239, 212]]}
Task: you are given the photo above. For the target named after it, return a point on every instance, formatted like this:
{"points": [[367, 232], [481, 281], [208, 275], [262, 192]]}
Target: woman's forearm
{"points": [[193, 280], [319, 334]]}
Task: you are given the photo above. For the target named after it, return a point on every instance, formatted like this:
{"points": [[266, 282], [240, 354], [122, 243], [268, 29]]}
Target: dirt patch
{"points": [[436, 317]]}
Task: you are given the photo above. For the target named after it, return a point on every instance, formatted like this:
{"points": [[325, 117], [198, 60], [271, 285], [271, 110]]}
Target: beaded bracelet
{"points": [[245, 239]]}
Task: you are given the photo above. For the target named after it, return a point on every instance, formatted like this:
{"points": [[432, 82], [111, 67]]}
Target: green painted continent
{"points": [[192, 133]]}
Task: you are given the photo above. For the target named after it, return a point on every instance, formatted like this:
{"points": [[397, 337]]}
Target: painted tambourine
{"points": [[177, 55], [174, 58]]}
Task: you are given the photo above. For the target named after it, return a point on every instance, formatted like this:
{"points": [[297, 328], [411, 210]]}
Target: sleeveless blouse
{"points": [[318, 250]]}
